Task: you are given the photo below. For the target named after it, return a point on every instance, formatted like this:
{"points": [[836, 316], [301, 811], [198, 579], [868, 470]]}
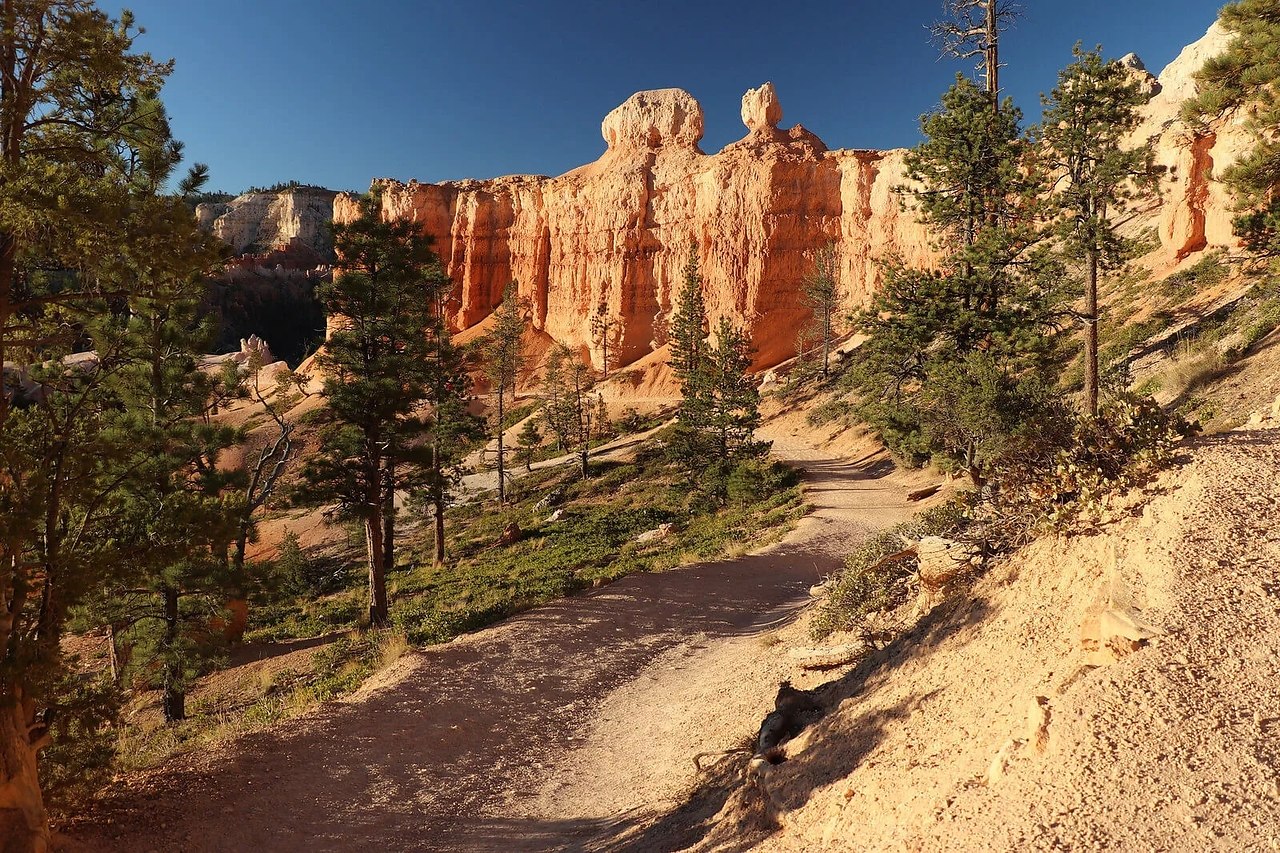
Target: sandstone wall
{"points": [[617, 231], [260, 222]]}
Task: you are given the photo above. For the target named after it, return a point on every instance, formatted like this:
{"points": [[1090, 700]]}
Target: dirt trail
{"points": [[452, 751]]}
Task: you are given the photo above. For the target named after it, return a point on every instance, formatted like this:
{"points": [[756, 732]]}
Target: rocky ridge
{"points": [[616, 232], [258, 222]]}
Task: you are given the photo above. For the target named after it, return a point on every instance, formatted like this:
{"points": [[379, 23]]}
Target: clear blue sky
{"points": [[336, 92]]}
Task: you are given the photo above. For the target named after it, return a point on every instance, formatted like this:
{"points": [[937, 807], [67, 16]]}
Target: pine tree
{"points": [[1087, 116], [1246, 76], [84, 152], [690, 343], [378, 367], [606, 334], [528, 440], [991, 306], [451, 426], [567, 404], [822, 297], [502, 353], [734, 410]]}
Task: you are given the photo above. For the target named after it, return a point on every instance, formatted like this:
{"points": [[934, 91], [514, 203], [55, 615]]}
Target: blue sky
{"points": [[337, 92]]}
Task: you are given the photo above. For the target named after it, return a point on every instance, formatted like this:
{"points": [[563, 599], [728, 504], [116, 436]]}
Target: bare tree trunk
{"points": [[439, 504], [24, 824], [175, 696], [373, 533], [502, 473], [826, 342], [1091, 336]]}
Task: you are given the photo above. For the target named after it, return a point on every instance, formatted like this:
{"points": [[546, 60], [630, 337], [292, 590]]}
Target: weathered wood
{"points": [[926, 492], [826, 657]]}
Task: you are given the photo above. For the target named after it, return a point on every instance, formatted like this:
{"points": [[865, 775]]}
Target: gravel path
{"points": [[451, 749]]}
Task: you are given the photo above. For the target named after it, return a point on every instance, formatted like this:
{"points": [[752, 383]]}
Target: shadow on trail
{"points": [[847, 740]]}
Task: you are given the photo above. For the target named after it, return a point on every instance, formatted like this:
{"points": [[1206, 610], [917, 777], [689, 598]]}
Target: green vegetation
{"points": [[391, 355], [1087, 116]]}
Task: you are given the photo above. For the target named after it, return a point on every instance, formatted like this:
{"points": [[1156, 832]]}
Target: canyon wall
{"points": [[258, 222], [616, 232]]}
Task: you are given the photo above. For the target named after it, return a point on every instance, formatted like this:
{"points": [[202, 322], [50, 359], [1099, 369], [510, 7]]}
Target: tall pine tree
{"points": [[1086, 119], [378, 368]]}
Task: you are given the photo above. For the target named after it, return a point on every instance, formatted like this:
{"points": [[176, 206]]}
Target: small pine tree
{"points": [[606, 335], [822, 297], [528, 440], [734, 411], [690, 344], [502, 353]]}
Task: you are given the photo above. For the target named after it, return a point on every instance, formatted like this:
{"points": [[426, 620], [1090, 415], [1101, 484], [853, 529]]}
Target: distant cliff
{"points": [[259, 222]]}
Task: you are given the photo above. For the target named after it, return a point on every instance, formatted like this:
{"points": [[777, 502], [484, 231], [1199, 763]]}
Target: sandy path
{"points": [[453, 751]]}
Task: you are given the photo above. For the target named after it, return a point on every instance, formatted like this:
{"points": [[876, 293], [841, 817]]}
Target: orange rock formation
{"points": [[617, 231]]}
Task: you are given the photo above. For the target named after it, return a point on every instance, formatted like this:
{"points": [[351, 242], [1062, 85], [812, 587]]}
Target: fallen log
{"points": [[827, 657], [926, 492]]}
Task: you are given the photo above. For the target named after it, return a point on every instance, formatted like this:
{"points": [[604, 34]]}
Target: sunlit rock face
{"points": [[262, 221], [616, 232]]}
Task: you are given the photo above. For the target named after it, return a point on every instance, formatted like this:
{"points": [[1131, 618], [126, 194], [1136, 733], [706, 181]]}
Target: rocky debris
{"points": [[792, 709], [922, 494], [511, 534], [657, 534], [1112, 634], [1268, 418], [555, 516], [261, 221], [551, 499], [1038, 723]]}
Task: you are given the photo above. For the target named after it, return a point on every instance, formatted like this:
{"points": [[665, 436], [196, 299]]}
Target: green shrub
{"points": [[1131, 439]]}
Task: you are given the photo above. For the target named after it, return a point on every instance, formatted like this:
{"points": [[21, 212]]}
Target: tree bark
{"points": [[439, 504], [24, 824], [373, 533], [175, 697], [1091, 336]]}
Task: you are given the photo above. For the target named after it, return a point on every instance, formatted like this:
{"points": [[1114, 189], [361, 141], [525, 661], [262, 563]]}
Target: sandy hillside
{"points": [[997, 724]]}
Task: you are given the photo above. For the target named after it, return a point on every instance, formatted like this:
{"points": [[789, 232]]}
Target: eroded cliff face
{"points": [[264, 221], [616, 232], [1195, 209]]}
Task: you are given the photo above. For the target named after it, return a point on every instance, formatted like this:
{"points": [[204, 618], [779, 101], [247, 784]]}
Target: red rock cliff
{"points": [[618, 230]]}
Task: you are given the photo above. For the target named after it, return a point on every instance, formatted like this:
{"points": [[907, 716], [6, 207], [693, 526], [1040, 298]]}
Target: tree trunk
{"points": [[502, 478], [389, 517], [373, 533], [175, 697], [24, 825], [585, 454], [439, 503], [1091, 337]]}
